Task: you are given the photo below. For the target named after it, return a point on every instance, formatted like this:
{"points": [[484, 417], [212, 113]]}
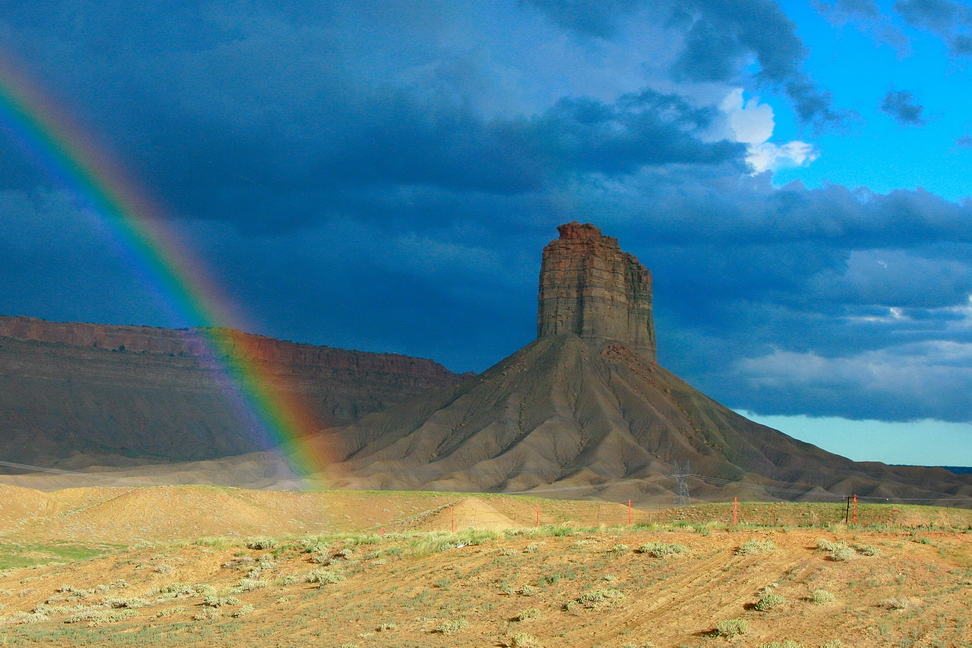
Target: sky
{"points": [[383, 176]]}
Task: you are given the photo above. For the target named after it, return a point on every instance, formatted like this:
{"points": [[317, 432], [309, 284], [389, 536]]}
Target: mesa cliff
{"points": [[70, 388], [590, 288], [586, 411]]}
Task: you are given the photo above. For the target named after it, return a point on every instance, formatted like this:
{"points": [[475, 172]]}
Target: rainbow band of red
{"points": [[69, 154]]}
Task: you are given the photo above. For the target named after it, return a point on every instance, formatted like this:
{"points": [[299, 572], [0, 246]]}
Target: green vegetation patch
{"points": [[13, 555]]}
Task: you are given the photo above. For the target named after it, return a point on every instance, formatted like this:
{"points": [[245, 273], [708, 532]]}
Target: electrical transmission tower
{"points": [[680, 474]]}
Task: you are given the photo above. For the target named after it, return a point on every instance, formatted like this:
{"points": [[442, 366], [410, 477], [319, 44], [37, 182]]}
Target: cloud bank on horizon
{"points": [[382, 176]]}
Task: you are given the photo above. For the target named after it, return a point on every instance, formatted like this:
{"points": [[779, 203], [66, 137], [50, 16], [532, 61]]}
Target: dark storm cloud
{"points": [[266, 122], [866, 16], [718, 36], [902, 106], [843, 8], [723, 31], [950, 21], [598, 18], [358, 180], [403, 143]]}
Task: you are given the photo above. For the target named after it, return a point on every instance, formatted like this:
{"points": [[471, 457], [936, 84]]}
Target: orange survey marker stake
{"points": [[538, 516], [453, 519], [735, 511], [629, 512]]}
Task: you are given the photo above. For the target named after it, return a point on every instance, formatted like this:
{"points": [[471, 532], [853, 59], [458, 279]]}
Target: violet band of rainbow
{"points": [[138, 227]]}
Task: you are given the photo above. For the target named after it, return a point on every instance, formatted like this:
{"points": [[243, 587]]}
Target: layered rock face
{"points": [[69, 388], [590, 288], [586, 411]]}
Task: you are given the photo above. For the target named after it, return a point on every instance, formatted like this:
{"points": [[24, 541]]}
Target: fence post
{"points": [[855, 508]]}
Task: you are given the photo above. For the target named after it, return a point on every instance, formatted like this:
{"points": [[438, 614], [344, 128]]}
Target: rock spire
{"points": [[589, 287]]}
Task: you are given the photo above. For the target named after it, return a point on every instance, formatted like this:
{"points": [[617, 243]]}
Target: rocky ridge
{"points": [[70, 388], [586, 411], [590, 288]]}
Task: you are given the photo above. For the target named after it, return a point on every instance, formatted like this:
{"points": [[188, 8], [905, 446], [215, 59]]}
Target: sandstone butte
{"points": [[590, 288], [70, 389], [586, 411]]}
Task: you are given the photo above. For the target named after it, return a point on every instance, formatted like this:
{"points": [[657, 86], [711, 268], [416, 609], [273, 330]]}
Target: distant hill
{"points": [[130, 394], [959, 470]]}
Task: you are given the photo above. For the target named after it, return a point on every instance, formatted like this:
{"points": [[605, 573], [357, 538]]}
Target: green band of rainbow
{"points": [[70, 155]]}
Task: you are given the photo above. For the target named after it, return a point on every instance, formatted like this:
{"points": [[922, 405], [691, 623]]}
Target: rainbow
{"points": [[138, 227]]}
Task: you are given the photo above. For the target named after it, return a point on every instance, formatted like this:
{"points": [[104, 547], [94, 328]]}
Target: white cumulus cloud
{"points": [[752, 123]]}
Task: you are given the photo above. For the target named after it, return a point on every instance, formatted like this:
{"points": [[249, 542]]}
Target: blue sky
{"points": [[382, 176]]}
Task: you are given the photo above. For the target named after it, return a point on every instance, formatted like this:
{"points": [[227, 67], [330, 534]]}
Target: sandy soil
{"points": [[419, 585]]}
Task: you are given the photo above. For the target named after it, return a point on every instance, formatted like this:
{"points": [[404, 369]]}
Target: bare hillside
{"points": [[131, 394], [563, 415]]}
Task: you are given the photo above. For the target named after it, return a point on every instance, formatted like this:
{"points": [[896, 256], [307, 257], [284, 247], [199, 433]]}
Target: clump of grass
{"points": [[434, 543], [167, 612], [454, 626], [833, 643], [508, 551], [245, 610], [839, 551], [324, 577], [247, 585], [619, 549], [732, 628], [310, 544], [130, 603], [475, 537], [661, 549], [523, 640], [768, 601], [528, 590], [755, 546], [206, 614], [786, 643], [176, 590], [867, 550], [529, 614], [217, 542], [894, 604], [533, 547], [599, 598], [821, 596], [261, 543], [219, 601], [702, 529], [387, 627], [30, 617]]}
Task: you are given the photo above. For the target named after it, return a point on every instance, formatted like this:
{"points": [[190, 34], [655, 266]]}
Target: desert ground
{"points": [[195, 565]]}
